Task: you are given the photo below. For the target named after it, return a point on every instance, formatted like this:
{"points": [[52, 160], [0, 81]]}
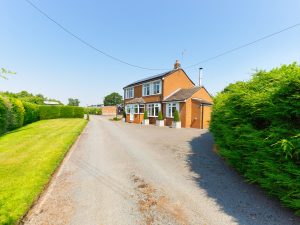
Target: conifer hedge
{"points": [[256, 125]]}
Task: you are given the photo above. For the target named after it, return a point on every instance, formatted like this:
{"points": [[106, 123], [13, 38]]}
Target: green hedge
{"points": [[4, 112], [93, 111], [78, 112], [32, 112], [16, 114], [256, 125], [57, 111], [66, 111]]}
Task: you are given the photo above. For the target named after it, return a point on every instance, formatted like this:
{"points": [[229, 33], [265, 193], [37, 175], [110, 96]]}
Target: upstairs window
{"points": [[156, 87], [129, 93], [152, 88], [146, 89]]}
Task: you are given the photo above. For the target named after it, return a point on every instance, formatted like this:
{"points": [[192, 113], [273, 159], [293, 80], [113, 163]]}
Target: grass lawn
{"points": [[28, 158]]}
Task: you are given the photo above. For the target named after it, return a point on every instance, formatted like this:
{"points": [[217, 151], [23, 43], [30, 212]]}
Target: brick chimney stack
{"points": [[177, 65]]}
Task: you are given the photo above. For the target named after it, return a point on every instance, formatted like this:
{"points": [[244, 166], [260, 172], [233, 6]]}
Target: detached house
{"points": [[167, 92]]}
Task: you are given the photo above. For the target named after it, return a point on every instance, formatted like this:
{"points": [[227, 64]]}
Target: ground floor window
{"points": [[134, 108], [153, 109], [171, 108]]}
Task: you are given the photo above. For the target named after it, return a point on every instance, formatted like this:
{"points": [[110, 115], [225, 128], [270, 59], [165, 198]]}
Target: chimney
{"points": [[200, 76], [177, 65]]}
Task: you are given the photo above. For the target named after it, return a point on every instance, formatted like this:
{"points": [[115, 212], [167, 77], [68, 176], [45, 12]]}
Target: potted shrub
{"points": [[160, 120], [146, 119], [176, 122], [124, 116]]}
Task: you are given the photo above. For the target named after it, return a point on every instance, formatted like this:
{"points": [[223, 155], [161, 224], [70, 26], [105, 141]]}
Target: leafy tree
{"points": [[113, 99], [5, 72], [73, 102]]}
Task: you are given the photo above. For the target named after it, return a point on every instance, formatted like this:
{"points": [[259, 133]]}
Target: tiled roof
{"points": [[158, 76], [182, 94], [136, 101]]}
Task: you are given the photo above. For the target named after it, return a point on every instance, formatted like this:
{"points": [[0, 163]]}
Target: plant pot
{"points": [[176, 125], [123, 119], [160, 123], [146, 122]]}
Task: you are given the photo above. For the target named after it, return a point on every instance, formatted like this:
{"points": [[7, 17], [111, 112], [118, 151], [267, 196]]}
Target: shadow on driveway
{"points": [[247, 203]]}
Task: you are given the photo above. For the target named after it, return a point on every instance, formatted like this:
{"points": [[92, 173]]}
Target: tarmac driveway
{"points": [[127, 174]]}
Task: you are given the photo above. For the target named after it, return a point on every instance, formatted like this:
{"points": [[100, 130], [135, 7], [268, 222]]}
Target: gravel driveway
{"points": [[128, 174]]}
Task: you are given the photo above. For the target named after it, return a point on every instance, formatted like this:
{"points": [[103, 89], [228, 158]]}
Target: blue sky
{"points": [[147, 33]]}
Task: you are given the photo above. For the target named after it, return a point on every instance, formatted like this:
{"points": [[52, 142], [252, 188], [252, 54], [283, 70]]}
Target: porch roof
{"points": [[202, 101], [182, 94], [136, 101]]}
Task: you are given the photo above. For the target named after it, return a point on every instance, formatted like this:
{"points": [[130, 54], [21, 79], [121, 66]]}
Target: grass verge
{"points": [[28, 158]]}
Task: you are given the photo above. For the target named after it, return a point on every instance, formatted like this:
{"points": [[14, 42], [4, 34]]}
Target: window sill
{"points": [[150, 95]]}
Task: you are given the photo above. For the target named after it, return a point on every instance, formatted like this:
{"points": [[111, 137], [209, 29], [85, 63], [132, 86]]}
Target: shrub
{"points": [[32, 112], [176, 116], [49, 112], [3, 115], [66, 111], [146, 115], [93, 111], [160, 116], [78, 112], [256, 125], [16, 114], [124, 114]]}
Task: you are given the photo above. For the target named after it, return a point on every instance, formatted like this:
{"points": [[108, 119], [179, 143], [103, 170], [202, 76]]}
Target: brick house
{"points": [[167, 92]]}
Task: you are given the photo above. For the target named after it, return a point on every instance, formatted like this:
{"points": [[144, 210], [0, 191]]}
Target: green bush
{"points": [[160, 116], [78, 112], [16, 114], [176, 116], [256, 125], [32, 112], [93, 111], [49, 112], [124, 113], [146, 115], [4, 112], [66, 111]]}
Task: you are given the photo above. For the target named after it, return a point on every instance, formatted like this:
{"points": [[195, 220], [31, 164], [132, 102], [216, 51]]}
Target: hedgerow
{"points": [[256, 125], [14, 113], [32, 112], [93, 111]]}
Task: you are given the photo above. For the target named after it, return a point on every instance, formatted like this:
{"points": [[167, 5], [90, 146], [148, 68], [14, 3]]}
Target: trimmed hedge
{"points": [[57, 111], [256, 125], [4, 112], [14, 113], [32, 113]]}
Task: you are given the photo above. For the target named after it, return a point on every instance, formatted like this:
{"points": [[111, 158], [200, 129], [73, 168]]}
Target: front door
{"points": [[131, 118]]}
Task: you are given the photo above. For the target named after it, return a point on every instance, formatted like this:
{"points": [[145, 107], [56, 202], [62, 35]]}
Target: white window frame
{"points": [[169, 107], [146, 86], [133, 107], [151, 87], [152, 106], [129, 92]]}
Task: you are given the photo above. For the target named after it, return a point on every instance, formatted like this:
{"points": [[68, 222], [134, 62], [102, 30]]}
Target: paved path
{"points": [[128, 174]]}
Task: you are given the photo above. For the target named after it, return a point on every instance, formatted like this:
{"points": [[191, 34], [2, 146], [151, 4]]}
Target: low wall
{"points": [[109, 110]]}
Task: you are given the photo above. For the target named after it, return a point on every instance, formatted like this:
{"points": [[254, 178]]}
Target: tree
{"points": [[4, 72], [73, 102], [113, 99]]}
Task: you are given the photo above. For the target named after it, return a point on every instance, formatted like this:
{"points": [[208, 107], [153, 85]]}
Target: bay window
{"points": [[134, 109], [171, 108]]}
